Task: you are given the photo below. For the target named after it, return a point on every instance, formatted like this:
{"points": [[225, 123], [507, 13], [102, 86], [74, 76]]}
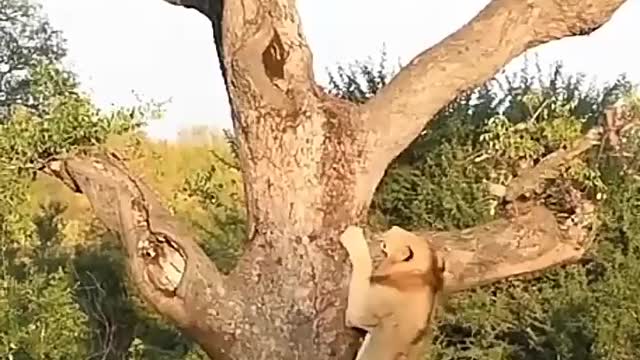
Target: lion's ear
{"points": [[406, 254]]}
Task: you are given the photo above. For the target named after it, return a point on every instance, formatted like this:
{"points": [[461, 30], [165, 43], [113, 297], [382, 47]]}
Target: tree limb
{"points": [[549, 167], [472, 55], [529, 243], [164, 261], [501, 249], [278, 111], [616, 119]]}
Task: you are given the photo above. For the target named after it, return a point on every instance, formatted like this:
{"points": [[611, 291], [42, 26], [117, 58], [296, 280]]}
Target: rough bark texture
{"points": [[311, 163]]}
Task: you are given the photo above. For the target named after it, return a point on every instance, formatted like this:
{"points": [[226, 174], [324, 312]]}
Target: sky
{"points": [[127, 50]]}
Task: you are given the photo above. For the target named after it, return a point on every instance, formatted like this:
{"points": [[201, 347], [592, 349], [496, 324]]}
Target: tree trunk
{"points": [[299, 177], [311, 163]]}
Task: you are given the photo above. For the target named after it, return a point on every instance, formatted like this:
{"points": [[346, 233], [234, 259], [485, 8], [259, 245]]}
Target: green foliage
{"points": [[435, 182], [222, 199], [584, 311], [67, 121], [39, 317], [27, 41], [38, 312], [359, 81]]}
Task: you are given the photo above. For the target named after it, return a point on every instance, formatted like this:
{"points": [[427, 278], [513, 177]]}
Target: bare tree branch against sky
{"points": [[162, 52]]}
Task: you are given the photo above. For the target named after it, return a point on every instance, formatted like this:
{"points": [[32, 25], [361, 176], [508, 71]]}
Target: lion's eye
{"points": [[383, 247]]}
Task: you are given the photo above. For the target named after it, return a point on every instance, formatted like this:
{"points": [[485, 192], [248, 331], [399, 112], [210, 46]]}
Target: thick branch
{"points": [[503, 30], [266, 51], [164, 262], [534, 240], [527, 244]]}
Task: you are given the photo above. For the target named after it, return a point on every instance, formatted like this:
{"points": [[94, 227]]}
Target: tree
{"points": [[311, 162]]}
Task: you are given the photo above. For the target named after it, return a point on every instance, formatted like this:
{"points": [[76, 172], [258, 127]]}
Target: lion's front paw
{"points": [[351, 232], [354, 242]]}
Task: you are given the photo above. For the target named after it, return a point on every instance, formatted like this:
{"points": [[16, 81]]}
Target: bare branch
{"points": [[224, 161], [549, 167], [531, 242], [616, 120], [164, 261], [503, 30]]}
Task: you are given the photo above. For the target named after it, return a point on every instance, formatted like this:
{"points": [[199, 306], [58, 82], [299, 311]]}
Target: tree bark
{"points": [[311, 163]]}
